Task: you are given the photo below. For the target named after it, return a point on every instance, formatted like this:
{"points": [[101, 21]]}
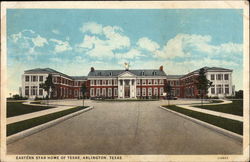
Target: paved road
{"points": [[126, 128]]}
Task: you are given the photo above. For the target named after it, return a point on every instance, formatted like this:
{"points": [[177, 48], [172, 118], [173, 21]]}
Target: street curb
{"points": [[210, 126], [41, 127]]}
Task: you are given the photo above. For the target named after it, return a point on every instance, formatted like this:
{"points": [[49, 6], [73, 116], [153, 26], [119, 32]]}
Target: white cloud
{"points": [[146, 43], [185, 45], [102, 45], [39, 41], [55, 31], [91, 27], [131, 54], [61, 46]]}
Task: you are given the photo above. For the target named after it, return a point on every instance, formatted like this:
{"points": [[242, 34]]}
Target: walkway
{"points": [[215, 113], [126, 128]]}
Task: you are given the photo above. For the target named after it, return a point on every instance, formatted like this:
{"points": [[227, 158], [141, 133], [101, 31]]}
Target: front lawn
{"points": [[26, 124], [17, 108], [228, 124], [235, 108]]}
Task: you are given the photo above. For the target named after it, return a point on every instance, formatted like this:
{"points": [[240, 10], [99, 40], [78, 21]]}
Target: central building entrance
{"points": [[127, 89]]}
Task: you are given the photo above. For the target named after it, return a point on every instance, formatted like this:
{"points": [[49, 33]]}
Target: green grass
{"points": [[26, 124], [235, 108], [228, 124], [17, 108]]}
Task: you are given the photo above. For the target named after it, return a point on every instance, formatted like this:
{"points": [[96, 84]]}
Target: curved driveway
{"points": [[126, 128]]}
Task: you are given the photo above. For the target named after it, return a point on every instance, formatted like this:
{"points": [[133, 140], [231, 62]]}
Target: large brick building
{"points": [[143, 83]]}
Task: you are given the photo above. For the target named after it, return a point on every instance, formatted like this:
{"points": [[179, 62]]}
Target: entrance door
{"points": [[127, 92]]}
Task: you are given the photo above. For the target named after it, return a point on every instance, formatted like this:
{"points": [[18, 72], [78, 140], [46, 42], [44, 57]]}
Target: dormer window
{"points": [[142, 73], [110, 74], [154, 73]]}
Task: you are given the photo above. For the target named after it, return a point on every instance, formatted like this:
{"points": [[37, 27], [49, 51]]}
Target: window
{"points": [[98, 92], [155, 81], [226, 76], [92, 82], [142, 73], [171, 83], [34, 78], [109, 82], [154, 73], [226, 89], [104, 82], [115, 91], [212, 76], [27, 78], [219, 89], [34, 90], [76, 92], [149, 91], [97, 82], [40, 91], [143, 81], [41, 78], [104, 91], [219, 77], [143, 91], [212, 89], [26, 90], [115, 82], [109, 92], [155, 91], [161, 81], [121, 82], [138, 81], [138, 91], [110, 74], [177, 82], [149, 81], [161, 91]]}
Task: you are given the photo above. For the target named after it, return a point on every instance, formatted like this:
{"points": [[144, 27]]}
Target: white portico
{"points": [[126, 85]]}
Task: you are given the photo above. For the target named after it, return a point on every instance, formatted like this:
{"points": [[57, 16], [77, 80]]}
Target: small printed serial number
{"points": [[223, 157]]}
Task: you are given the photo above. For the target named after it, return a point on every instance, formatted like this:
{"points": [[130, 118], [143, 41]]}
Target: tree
{"points": [[168, 90], [203, 84], [48, 85], [83, 90], [239, 94]]}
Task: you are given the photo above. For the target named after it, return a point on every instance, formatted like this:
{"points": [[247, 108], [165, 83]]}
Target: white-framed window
{"points": [[161, 91], [161, 81], [155, 81], [115, 91], [226, 89], [27, 78], [171, 83], [149, 91], [143, 91], [138, 91], [41, 78], [92, 82], [92, 92], [177, 82], [103, 91], [103, 82], [110, 92], [149, 81], [155, 91], [219, 77], [97, 82], [34, 90], [212, 77], [115, 82], [219, 89], [138, 81], [143, 81], [76, 92], [26, 91], [226, 76], [109, 82], [98, 92], [34, 78], [212, 89]]}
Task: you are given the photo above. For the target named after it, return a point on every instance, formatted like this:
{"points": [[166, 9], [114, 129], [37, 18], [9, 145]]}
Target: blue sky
{"points": [[73, 40]]}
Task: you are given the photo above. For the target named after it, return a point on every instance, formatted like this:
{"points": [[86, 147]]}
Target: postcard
{"points": [[125, 81]]}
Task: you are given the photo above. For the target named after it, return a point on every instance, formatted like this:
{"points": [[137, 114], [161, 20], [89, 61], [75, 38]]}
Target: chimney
{"points": [[92, 69], [161, 68]]}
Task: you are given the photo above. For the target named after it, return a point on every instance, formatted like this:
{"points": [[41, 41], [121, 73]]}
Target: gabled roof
{"points": [[115, 73], [52, 71]]}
